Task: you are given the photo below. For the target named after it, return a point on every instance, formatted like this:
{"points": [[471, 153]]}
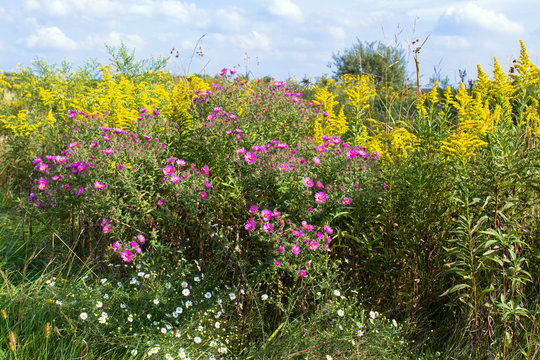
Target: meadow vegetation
{"points": [[146, 215]]}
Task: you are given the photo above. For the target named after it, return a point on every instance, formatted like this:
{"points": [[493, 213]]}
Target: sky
{"points": [[279, 38]]}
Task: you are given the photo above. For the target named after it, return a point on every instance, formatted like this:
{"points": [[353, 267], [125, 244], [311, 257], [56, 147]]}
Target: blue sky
{"points": [[281, 38]]}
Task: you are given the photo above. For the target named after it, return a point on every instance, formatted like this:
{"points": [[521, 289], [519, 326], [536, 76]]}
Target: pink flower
{"points": [[160, 202], [127, 255], [320, 148], [99, 185], [175, 179], [250, 225], [295, 250], [42, 184], [71, 145], [207, 185], [250, 157], [43, 167], [319, 185], [266, 214], [346, 201], [107, 138], [141, 238], [280, 249], [115, 245], [316, 161], [108, 151], [277, 262], [302, 273], [93, 144], [328, 229], [253, 209], [168, 170], [107, 229], [313, 245], [61, 159], [308, 182], [320, 197], [284, 167], [267, 227], [203, 195]]}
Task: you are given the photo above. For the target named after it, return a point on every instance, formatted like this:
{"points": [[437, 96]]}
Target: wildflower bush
{"points": [[183, 218]]}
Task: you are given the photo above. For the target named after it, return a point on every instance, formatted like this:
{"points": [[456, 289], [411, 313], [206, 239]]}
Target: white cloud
{"points": [[252, 41], [458, 19], [114, 38], [336, 32], [286, 9], [450, 42], [229, 18], [50, 38]]}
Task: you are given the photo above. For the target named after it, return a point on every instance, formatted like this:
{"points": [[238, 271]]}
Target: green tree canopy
{"points": [[385, 63]]}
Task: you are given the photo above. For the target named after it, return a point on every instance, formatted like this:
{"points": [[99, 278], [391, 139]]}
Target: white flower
{"points": [[232, 296], [163, 330], [130, 318], [197, 340], [83, 316], [106, 296], [58, 302], [373, 314], [217, 324], [213, 343], [119, 284], [184, 284], [168, 285], [168, 357], [102, 320], [337, 293], [340, 312], [156, 301], [222, 350], [208, 295], [179, 310], [182, 353], [185, 292], [360, 333], [175, 314], [134, 281], [134, 352], [264, 297], [394, 322], [328, 357], [188, 303], [99, 304], [200, 328], [149, 316], [197, 279], [103, 281]]}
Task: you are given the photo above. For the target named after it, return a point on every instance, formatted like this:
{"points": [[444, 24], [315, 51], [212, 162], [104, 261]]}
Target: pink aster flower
{"points": [[107, 229], [168, 170], [71, 145], [175, 179], [203, 195], [37, 160], [99, 185], [266, 214], [250, 225], [60, 159], [253, 209], [346, 201], [250, 157], [316, 161], [127, 255], [320, 148], [180, 162], [43, 167], [160, 202], [302, 273], [141, 238], [115, 245], [313, 245], [277, 262], [268, 228], [280, 249], [42, 184], [107, 151], [207, 185], [308, 182], [320, 197], [93, 144], [328, 229], [295, 250], [107, 138], [284, 167]]}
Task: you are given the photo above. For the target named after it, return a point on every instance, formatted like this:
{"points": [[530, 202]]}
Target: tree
{"points": [[385, 63]]}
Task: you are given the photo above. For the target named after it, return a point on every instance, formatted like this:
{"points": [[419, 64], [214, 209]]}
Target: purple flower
{"points": [[328, 229], [160, 202], [253, 209], [80, 190], [107, 229], [346, 201], [99, 185], [203, 195], [207, 185]]}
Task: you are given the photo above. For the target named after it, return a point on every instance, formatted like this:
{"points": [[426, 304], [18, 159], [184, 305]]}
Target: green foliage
{"points": [[385, 63]]}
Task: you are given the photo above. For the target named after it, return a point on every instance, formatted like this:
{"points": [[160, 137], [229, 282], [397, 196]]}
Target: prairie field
{"points": [[146, 215]]}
